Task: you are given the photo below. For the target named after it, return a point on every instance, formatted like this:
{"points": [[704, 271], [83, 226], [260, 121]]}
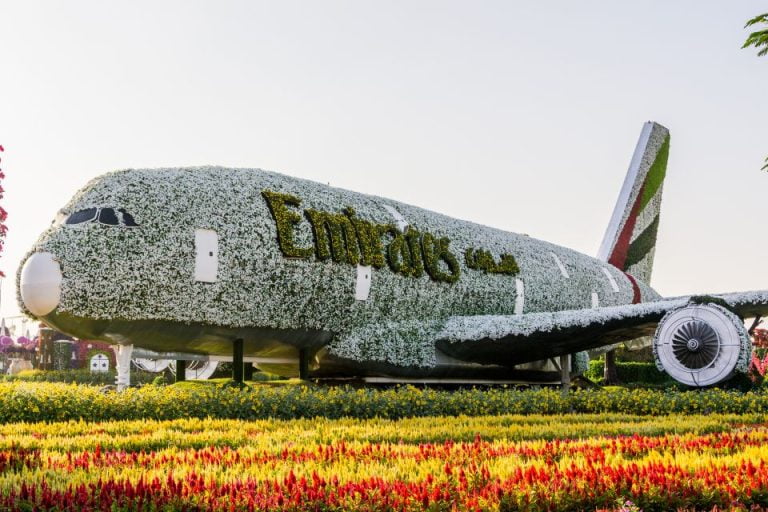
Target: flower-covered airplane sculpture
{"points": [[301, 277]]}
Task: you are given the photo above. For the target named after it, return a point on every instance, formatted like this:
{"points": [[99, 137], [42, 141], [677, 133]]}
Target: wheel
{"points": [[701, 344]]}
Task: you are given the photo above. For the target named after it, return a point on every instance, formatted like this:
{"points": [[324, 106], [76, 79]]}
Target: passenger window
{"points": [[82, 216], [127, 218], [107, 216]]}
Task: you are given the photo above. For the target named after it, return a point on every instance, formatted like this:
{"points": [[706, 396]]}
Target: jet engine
{"points": [[701, 344]]}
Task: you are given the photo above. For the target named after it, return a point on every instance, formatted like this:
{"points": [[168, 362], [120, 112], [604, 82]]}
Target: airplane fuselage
{"points": [[286, 264]]}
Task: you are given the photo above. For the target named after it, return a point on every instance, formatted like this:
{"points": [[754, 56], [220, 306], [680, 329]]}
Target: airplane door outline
{"points": [[206, 255], [363, 282]]}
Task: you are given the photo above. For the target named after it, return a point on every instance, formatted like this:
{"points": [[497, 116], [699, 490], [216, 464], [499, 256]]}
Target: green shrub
{"points": [[80, 376], [224, 370], [630, 372], [266, 377], [33, 401]]}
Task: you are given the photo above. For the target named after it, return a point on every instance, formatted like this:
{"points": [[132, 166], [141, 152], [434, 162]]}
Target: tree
{"points": [[610, 372], [759, 40]]}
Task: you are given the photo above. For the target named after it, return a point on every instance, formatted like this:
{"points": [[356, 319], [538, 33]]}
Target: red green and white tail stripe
{"points": [[630, 240]]}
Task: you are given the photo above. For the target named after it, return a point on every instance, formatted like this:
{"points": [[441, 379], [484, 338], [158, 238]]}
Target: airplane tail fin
{"points": [[630, 240]]}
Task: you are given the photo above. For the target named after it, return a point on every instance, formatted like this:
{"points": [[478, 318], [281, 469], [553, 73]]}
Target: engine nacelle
{"points": [[701, 344]]}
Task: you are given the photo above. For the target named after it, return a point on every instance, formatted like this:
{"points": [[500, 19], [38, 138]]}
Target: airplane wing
{"points": [[515, 339]]}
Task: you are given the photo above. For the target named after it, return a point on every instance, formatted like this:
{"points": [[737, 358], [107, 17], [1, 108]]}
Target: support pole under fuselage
{"points": [[237, 361], [181, 370], [248, 371], [303, 364], [565, 372], [123, 360]]}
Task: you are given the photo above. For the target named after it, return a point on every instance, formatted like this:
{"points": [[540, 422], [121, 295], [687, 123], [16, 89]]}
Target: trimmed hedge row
{"points": [[83, 376], [646, 373], [56, 402]]}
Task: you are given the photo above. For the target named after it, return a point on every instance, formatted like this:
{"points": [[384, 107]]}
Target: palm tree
{"points": [[759, 40]]}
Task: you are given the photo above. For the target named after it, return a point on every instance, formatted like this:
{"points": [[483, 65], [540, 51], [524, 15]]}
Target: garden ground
{"points": [[296, 447], [530, 462]]}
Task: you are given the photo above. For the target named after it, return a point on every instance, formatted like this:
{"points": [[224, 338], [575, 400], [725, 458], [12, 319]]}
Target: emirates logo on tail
{"points": [[630, 240]]}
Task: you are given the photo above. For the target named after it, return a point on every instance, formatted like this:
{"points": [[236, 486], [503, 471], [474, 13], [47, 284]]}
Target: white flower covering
{"points": [[410, 343], [644, 267], [648, 214], [146, 272], [496, 326], [655, 140], [580, 362]]}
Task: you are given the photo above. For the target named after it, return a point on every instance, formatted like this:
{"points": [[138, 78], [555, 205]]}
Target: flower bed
{"points": [[503, 463], [50, 402]]}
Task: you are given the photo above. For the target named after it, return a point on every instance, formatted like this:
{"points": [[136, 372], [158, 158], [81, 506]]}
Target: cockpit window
{"points": [[108, 216], [82, 216], [127, 218]]}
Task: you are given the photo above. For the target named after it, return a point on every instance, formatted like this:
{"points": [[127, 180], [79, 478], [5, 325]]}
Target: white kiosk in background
{"points": [[99, 363]]}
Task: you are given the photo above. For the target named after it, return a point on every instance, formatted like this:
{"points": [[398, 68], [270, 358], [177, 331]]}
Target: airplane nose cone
{"points": [[41, 283]]}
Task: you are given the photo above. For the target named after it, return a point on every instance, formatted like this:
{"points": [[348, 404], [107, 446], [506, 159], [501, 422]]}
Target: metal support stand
{"points": [[46, 348], [248, 371], [181, 370], [303, 363], [565, 372], [123, 358], [237, 361]]}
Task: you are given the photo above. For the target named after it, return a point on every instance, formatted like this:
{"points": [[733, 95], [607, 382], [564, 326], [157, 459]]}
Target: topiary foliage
{"points": [[345, 238], [287, 255]]}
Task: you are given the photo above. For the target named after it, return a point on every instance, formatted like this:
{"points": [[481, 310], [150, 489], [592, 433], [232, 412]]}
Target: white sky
{"points": [[519, 116]]}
